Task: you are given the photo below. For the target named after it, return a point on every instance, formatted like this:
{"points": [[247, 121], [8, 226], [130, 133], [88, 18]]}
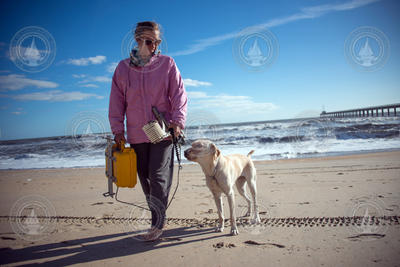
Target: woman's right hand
{"points": [[119, 137]]}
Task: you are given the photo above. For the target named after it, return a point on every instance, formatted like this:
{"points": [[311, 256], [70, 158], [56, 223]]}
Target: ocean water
{"points": [[271, 140]]}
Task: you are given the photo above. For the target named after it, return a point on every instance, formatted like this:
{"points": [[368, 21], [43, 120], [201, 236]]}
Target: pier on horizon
{"points": [[376, 111]]}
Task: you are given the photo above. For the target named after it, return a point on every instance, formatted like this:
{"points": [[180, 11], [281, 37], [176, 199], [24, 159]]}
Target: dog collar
{"points": [[215, 169]]}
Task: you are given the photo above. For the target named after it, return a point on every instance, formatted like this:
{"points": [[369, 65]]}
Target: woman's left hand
{"points": [[177, 129]]}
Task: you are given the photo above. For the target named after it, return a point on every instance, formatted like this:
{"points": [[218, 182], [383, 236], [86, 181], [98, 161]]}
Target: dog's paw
{"points": [[234, 232], [219, 229]]}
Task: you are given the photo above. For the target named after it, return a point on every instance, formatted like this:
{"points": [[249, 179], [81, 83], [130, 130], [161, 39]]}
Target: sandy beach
{"points": [[310, 210]]}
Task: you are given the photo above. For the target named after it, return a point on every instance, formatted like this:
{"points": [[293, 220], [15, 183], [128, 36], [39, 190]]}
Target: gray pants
{"points": [[155, 165]]}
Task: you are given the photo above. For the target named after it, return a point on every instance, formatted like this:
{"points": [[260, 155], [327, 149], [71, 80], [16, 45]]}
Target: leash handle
{"points": [[176, 143]]}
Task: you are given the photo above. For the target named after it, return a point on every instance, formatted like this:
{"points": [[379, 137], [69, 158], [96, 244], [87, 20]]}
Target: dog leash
{"points": [[178, 151]]}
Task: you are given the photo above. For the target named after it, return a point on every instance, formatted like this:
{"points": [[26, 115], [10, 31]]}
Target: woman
{"points": [[145, 80]]}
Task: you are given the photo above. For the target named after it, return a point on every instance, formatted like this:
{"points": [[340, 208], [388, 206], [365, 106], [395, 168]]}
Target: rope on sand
{"points": [[206, 222]]}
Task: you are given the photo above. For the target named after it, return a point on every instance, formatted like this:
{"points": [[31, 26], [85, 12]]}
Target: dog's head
{"points": [[202, 150]]}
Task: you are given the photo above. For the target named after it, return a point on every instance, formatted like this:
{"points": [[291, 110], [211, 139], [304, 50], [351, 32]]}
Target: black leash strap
{"points": [[178, 149]]}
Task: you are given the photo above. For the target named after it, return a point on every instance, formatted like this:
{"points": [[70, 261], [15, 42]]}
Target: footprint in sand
{"points": [[366, 236], [101, 203], [221, 245], [7, 238], [251, 242]]}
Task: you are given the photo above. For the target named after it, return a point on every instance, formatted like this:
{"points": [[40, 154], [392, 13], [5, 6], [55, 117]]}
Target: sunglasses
{"points": [[149, 41]]}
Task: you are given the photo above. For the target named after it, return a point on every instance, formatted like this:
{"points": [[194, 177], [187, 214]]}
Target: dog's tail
{"points": [[250, 153]]}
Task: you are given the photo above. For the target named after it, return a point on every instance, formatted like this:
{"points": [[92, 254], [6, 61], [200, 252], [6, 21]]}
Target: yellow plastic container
{"points": [[124, 166]]}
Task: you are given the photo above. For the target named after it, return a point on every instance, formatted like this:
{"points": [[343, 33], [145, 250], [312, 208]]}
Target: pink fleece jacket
{"points": [[135, 90]]}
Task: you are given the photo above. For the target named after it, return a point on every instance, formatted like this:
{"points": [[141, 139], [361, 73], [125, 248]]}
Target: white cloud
{"points": [[90, 85], [79, 76], [55, 96], [17, 81], [17, 112], [90, 80], [102, 79], [111, 67], [306, 13], [228, 104], [85, 61], [196, 94], [195, 83], [320, 10]]}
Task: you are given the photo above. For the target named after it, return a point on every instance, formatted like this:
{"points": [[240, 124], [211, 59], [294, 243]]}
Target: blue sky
{"points": [[310, 70]]}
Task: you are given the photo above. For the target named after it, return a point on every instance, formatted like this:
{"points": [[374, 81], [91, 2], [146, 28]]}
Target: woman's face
{"points": [[147, 41]]}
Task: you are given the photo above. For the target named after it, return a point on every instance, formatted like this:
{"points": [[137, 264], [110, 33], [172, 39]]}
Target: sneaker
{"points": [[151, 230], [153, 234]]}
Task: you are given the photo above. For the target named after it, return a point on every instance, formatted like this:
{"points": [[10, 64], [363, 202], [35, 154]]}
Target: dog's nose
{"points": [[187, 153]]}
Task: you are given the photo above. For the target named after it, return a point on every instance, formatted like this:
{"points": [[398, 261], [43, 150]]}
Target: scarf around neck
{"points": [[136, 60]]}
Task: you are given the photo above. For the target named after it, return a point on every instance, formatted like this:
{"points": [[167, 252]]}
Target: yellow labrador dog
{"points": [[222, 172]]}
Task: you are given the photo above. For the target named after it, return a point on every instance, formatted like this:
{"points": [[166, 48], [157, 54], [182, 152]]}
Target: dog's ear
{"points": [[215, 150]]}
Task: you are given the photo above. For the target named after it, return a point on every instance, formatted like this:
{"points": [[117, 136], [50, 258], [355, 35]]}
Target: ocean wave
{"points": [[270, 140]]}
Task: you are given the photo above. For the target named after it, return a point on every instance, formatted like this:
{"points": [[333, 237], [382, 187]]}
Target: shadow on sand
{"points": [[100, 247]]}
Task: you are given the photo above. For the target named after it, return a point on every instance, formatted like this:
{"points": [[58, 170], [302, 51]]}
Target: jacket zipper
{"points": [[144, 98]]}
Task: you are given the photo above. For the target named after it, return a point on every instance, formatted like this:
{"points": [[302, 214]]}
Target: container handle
{"points": [[122, 146]]}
